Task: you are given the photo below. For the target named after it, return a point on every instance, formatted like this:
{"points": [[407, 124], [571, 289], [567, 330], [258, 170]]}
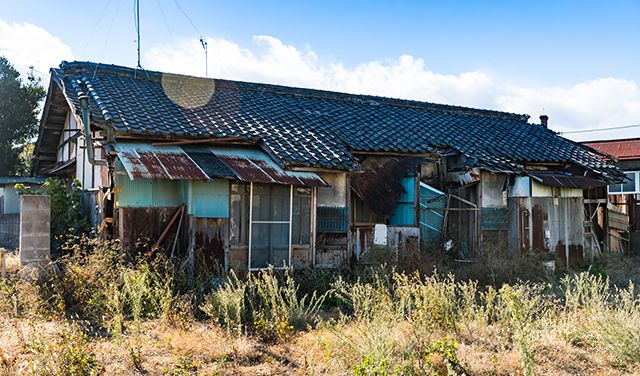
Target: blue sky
{"points": [[575, 60]]}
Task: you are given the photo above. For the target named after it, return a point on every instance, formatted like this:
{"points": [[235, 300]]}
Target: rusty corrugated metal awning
{"points": [[558, 179], [256, 166], [145, 161]]}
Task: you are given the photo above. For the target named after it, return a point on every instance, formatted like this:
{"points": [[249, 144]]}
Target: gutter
{"points": [[88, 141]]}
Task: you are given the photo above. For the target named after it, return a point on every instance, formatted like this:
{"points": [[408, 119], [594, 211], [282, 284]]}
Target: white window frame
{"points": [[251, 223], [636, 179]]}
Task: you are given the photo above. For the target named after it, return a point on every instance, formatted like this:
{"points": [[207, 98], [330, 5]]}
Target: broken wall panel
{"points": [[211, 239], [140, 227]]}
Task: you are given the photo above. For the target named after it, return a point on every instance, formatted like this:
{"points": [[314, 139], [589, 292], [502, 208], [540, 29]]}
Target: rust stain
{"points": [[209, 242], [576, 254], [246, 170], [152, 165], [538, 218], [276, 175], [179, 166]]}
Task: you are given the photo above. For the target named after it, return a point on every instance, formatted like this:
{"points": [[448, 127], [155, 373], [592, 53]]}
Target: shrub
{"points": [[519, 309], [266, 302], [68, 354]]}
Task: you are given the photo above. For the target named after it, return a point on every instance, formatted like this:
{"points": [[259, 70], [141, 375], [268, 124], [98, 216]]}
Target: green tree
{"points": [[18, 118]]}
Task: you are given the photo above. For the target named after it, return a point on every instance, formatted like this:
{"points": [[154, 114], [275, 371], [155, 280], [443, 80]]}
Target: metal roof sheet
{"points": [[623, 149], [9, 180], [146, 161], [256, 166], [566, 181]]}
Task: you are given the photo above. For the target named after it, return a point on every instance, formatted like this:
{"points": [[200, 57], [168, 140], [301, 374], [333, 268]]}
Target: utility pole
{"points": [[206, 57]]}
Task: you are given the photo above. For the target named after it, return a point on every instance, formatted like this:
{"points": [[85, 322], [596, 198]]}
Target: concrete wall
{"points": [[9, 230], [35, 227]]}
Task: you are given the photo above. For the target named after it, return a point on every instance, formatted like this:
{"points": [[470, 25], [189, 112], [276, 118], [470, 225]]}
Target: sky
{"points": [[576, 61]]}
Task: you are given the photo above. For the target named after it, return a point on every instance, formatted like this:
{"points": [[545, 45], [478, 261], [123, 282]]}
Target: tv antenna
{"points": [[138, 30], [206, 56]]}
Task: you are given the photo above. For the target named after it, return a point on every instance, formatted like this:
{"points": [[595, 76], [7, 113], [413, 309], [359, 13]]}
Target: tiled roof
{"points": [[312, 128], [623, 149]]}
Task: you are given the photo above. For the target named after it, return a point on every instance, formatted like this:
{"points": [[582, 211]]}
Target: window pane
{"points": [[239, 219], [615, 188], [629, 186], [269, 245], [271, 202], [301, 225]]}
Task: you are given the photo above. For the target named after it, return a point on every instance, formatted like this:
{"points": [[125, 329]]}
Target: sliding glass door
{"points": [[270, 225]]}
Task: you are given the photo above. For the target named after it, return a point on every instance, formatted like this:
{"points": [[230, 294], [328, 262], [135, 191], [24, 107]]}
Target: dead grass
{"points": [[375, 320]]}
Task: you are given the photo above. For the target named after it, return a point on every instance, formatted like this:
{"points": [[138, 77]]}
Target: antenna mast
{"points": [[206, 57], [138, 29]]}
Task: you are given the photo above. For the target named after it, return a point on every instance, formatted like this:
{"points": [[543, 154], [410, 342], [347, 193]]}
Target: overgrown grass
{"points": [[373, 320]]}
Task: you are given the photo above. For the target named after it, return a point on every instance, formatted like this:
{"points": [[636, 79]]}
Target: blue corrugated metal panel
{"points": [[404, 213], [332, 219], [11, 200], [209, 199], [146, 192], [430, 219]]}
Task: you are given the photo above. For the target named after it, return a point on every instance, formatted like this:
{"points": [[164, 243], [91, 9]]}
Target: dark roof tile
{"points": [[305, 127]]}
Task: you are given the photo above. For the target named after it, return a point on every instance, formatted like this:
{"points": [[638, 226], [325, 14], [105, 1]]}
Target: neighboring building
{"points": [[626, 195], [10, 208], [270, 174]]}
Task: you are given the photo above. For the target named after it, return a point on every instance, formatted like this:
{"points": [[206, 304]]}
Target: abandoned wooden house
{"points": [[250, 174], [624, 198]]}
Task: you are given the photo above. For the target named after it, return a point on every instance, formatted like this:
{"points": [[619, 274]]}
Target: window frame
{"points": [[302, 197], [252, 222], [636, 178]]}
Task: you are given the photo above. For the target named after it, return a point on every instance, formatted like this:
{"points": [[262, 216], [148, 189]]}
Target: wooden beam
{"points": [[200, 141]]}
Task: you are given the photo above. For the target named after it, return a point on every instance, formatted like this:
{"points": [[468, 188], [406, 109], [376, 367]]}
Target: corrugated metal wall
{"points": [[405, 213], [209, 199], [11, 200], [146, 193], [204, 199]]}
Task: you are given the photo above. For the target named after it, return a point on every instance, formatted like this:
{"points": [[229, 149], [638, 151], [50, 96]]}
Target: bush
{"points": [[68, 354], [266, 303]]}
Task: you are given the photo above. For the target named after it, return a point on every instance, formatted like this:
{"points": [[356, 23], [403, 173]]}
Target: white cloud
{"points": [[26, 45], [598, 103]]}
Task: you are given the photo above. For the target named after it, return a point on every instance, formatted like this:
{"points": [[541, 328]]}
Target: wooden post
{"points": [[3, 265]]}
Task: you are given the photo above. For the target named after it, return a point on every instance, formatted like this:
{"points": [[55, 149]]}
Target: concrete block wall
{"points": [[35, 235]]}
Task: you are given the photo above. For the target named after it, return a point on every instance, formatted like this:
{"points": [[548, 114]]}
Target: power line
{"points": [[187, 17], [95, 26], [202, 39], [601, 129], [164, 18]]}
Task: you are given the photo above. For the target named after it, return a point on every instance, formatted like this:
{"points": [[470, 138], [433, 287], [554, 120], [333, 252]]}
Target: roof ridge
{"points": [[80, 67]]}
